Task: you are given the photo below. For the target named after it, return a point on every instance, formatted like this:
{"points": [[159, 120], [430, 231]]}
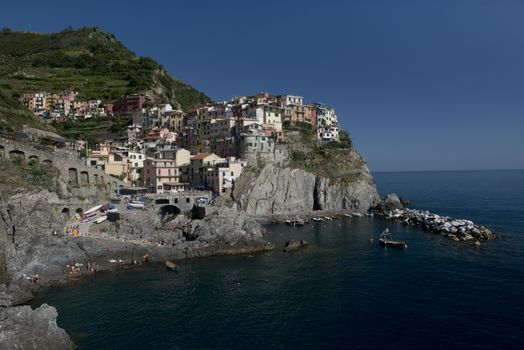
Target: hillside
{"points": [[93, 62]]}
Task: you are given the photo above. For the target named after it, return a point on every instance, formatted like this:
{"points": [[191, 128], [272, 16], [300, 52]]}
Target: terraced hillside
{"points": [[93, 62]]}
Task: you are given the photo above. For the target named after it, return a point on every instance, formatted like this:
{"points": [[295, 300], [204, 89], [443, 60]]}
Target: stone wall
{"points": [[77, 179]]}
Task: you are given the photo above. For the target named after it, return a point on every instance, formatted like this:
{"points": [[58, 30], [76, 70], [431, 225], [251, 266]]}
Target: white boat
{"points": [[100, 219], [348, 215], [358, 215], [135, 206], [328, 218], [318, 219], [93, 209]]}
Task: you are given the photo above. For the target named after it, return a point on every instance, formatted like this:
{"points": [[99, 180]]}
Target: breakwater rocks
{"points": [[454, 229]]}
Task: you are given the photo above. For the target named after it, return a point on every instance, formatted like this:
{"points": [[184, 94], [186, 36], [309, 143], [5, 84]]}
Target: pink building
{"points": [[222, 176], [164, 175]]}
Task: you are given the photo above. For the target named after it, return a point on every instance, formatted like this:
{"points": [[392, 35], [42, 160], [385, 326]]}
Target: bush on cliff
{"points": [[17, 175]]}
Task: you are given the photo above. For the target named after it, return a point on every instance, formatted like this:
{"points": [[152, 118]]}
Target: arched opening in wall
{"points": [[188, 199], [162, 201], [33, 159], [97, 180], [73, 176], [169, 210], [344, 203], [84, 178], [2, 151], [79, 211], [176, 200], [17, 156], [47, 162], [66, 213]]}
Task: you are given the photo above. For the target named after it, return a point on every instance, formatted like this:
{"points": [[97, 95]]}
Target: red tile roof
{"points": [[201, 156]]}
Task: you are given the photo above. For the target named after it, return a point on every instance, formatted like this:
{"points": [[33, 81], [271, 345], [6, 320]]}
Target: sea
{"points": [[344, 291]]}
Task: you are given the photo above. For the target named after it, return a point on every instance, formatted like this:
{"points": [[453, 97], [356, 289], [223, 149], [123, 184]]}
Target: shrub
{"points": [[298, 156]]}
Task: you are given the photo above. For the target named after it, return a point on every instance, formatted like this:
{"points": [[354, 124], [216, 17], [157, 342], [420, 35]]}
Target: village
{"points": [[169, 151]]}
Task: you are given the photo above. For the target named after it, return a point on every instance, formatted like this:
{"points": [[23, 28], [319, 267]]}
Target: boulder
{"points": [[295, 244], [391, 202]]}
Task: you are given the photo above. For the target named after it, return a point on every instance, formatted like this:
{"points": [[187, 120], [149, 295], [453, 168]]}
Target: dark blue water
{"points": [[341, 292]]}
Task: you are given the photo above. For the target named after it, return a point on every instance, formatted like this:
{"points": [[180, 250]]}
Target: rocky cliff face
{"points": [[273, 189], [24, 328]]}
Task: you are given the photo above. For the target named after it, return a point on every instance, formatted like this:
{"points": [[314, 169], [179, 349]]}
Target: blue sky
{"points": [[420, 85]]}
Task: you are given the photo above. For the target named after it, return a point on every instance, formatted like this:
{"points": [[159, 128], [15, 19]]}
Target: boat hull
{"points": [[393, 244]]}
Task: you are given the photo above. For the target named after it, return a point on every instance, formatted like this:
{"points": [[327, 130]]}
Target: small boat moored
{"points": [[385, 240], [100, 219], [295, 221], [171, 265]]}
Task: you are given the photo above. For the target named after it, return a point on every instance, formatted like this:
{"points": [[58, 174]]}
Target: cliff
{"points": [[332, 177]]}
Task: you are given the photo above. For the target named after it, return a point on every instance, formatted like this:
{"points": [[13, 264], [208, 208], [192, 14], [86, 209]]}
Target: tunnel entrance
{"points": [[65, 213], [169, 210]]}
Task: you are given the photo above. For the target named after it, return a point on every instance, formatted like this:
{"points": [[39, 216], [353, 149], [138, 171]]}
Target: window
{"points": [[187, 200]]}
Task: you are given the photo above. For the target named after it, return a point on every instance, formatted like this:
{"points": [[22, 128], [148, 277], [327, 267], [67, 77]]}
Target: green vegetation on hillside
{"points": [[17, 175], [336, 160], [89, 60], [94, 130]]}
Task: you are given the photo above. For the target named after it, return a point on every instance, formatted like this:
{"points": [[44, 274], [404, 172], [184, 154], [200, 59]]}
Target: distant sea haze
{"points": [[342, 292]]}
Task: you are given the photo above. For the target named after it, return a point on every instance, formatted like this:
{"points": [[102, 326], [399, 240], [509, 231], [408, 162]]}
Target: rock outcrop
{"points": [[24, 328], [273, 189], [295, 244], [390, 202]]}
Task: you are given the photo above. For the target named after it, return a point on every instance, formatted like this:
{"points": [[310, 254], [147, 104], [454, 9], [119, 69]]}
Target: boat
{"points": [[328, 218], [295, 221], [318, 219], [348, 215], [93, 209], [171, 265], [370, 214], [100, 219], [135, 206], [385, 240]]}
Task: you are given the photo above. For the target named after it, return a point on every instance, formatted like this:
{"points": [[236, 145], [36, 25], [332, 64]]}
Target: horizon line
{"points": [[444, 170]]}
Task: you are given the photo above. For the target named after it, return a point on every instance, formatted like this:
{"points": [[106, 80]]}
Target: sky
{"points": [[420, 85]]}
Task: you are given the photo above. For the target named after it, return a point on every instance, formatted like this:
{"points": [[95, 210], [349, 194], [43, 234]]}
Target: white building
{"points": [[289, 100]]}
